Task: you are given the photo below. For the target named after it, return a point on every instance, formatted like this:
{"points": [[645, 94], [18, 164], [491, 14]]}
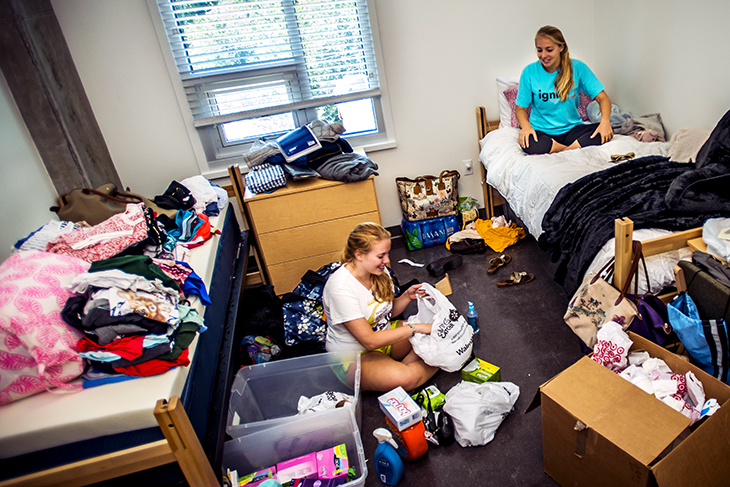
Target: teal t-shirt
{"points": [[549, 114]]}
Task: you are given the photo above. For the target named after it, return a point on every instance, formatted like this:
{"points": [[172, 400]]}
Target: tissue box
{"points": [[600, 430], [400, 408], [304, 467], [332, 462], [480, 371]]}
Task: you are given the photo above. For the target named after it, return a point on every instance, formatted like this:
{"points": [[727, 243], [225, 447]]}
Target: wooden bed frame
{"points": [[180, 445], [623, 227]]}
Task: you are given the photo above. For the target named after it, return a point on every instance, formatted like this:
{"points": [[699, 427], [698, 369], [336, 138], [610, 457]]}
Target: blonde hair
{"points": [[564, 79], [362, 239]]}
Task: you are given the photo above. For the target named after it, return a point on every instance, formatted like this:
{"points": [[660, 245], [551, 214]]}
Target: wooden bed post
{"points": [[184, 444], [624, 231], [483, 127]]}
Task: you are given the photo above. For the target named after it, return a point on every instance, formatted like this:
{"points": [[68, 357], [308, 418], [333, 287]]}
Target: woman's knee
{"points": [[543, 145]]}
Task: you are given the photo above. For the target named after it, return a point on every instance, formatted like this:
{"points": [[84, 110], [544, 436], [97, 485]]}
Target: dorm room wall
{"points": [[441, 61], [666, 56]]}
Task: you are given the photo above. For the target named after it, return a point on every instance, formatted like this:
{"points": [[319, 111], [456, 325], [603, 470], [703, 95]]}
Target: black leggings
{"points": [[581, 133]]}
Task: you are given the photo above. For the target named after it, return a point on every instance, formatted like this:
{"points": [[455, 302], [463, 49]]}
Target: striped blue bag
{"points": [[705, 340], [265, 178]]}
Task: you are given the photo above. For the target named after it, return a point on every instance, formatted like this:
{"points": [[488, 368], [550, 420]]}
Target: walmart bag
{"points": [[450, 342]]}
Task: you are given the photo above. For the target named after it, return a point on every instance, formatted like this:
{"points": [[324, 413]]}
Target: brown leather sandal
{"points": [[516, 278], [498, 262]]}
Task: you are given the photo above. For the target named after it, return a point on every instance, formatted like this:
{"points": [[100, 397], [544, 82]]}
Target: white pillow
{"points": [[505, 111], [686, 143]]}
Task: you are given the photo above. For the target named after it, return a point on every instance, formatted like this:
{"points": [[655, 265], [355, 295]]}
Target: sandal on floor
{"points": [[441, 266], [516, 278], [498, 262]]}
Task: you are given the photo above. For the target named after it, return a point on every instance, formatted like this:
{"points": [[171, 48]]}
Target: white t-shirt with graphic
{"points": [[346, 299]]}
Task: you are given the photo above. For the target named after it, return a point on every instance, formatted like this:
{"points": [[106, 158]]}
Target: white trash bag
{"points": [[450, 342], [478, 409]]}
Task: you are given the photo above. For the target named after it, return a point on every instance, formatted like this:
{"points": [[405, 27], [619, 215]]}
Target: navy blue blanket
{"points": [[581, 218]]}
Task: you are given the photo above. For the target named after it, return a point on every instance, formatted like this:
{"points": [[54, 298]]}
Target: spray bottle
{"points": [[388, 464], [472, 317]]}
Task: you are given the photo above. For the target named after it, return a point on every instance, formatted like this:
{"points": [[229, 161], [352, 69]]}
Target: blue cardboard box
{"points": [[428, 233]]}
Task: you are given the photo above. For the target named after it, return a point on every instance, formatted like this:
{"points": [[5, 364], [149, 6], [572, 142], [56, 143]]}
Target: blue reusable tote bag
{"points": [[705, 340]]}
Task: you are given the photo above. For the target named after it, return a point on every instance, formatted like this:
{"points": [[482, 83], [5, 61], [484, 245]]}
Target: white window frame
{"points": [[213, 157]]}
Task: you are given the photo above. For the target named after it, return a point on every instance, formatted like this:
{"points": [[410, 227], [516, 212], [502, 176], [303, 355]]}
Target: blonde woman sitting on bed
{"points": [[359, 302], [552, 85]]}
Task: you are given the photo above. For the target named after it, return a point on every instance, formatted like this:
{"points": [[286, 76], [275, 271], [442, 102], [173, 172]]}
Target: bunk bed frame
{"points": [[623, 227]]}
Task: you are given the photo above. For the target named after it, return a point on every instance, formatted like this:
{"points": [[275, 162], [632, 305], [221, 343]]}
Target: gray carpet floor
{"points": [[521, 331]]}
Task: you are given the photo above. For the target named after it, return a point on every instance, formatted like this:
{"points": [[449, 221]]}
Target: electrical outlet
{"points": [[469, 169]]}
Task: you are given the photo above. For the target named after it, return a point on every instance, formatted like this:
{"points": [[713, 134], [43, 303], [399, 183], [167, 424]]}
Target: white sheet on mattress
{"points": [[530, 183], [47, 420]]}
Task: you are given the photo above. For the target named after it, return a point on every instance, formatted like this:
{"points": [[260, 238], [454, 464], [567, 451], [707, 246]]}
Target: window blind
{"points": [[240, 59]]}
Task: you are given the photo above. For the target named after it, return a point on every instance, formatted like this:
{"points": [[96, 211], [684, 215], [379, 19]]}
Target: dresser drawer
{"points": [[318, 238], [320, 203], [286, 276]]}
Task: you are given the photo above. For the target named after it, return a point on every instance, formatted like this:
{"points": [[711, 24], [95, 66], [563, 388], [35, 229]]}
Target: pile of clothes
{"points": [[334, 160], [133, 315], [132, 304], [682, 392]]}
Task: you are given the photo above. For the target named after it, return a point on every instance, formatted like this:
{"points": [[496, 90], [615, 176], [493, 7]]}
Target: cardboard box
{"points": [[480, 371], [601, 430], [400, 408]]}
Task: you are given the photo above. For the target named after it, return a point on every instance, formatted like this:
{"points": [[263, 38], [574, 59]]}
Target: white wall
{"points": [[118, 57], [667, 56], [441, 60], [26, 191]]}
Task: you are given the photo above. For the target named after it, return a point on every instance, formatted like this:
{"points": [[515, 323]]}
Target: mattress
{"points": [[48, 420], [530, 183]]}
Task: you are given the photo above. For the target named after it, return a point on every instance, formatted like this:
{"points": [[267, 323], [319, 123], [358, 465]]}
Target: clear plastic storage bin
{"points": [[266, 395], [300, 436]]}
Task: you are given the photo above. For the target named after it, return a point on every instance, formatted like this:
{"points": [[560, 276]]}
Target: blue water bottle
{"points": [[472, 317], [388, 463]]}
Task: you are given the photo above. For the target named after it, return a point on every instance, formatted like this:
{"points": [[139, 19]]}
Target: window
{"points": [[254, 69]]}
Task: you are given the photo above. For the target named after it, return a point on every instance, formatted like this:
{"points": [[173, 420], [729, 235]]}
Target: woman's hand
{"points": [[605, 130], [604, 127], [415, 291], [524, 136], [424, 328], [526, 131]]}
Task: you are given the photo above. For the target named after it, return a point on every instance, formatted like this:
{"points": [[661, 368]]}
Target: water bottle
{"points": [[472, 317]]}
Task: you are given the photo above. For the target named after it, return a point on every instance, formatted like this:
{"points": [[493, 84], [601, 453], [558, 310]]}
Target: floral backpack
{"points": [[37, 348]]}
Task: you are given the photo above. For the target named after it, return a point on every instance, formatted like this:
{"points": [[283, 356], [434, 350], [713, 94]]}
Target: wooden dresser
{"points": [[304, 225]]}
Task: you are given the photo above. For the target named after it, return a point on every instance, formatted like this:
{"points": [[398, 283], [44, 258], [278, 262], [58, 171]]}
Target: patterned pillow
{"points": [[37, 348], [511, 95]]}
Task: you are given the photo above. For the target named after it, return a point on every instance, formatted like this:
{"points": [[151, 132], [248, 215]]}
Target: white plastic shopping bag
{"points": [[450, 342], [479, 409]]}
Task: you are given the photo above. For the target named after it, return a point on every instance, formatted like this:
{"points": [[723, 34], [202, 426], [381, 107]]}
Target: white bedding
{"points": [[530, 183], [47, 419]]}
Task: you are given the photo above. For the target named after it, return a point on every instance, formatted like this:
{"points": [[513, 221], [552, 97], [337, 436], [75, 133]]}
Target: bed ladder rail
{"points": [[624, 233], [485, 126]]}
